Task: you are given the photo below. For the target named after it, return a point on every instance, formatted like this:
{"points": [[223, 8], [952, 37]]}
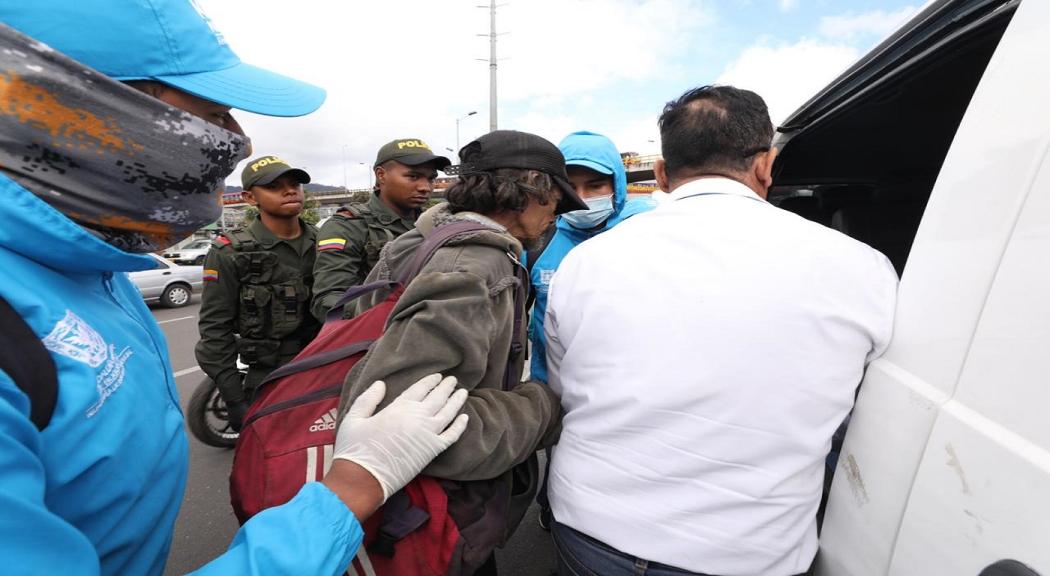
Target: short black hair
{"points": [[502, 189], [713, 129]]}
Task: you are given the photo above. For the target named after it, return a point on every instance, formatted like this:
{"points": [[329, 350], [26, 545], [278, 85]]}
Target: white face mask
{"points": [[598, 210]]}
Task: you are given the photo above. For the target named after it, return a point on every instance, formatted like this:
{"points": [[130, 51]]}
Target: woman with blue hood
{"points": [[596, 170]]}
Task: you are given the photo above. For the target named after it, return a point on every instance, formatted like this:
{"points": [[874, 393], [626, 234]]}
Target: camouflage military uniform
{"points": [[348, 248], [256, 286]]}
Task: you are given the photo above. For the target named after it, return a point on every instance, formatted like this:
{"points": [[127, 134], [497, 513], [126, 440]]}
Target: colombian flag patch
{"points": [[211, 275], [331, 244]]}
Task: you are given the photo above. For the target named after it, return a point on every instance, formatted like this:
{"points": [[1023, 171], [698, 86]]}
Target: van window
{"points": [[863, 155]]}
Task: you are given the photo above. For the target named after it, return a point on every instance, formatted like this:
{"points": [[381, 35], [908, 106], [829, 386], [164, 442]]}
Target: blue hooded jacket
{"points": [[598, 153], [97, 491]]}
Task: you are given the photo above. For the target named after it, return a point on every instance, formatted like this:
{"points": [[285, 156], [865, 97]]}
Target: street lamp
{"points": [[468, 114], [369, 171], [345, 183]]}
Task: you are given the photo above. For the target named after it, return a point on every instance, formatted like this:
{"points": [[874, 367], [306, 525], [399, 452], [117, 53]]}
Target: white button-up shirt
{"points": [[705, 352]]}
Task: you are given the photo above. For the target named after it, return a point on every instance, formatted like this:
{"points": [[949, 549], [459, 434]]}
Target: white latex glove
{"points": [[398, 442]]}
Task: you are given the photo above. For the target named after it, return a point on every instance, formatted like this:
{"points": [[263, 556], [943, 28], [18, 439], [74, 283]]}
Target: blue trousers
{"points": [[581, 555]]}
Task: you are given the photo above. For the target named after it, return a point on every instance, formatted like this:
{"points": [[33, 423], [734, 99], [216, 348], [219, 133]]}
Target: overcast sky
{"points": [[410, 68]]}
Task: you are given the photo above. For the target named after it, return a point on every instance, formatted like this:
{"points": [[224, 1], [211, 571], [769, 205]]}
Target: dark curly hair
{"points": [[502, 189]]}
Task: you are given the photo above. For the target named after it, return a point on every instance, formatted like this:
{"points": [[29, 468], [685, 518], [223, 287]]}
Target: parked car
{"points": [[933, 148], [192, 253], [170, 284]]}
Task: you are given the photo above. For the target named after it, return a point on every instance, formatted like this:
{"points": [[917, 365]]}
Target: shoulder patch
{"points": [[221, 241], [331, 244], [210, 275]]}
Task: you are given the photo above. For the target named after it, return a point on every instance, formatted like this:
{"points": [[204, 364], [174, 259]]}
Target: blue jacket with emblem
{"points": [[598, 153], [97, 491]]}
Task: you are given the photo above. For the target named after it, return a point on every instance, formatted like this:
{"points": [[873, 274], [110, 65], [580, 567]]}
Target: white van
{"points": [[934, 149]]}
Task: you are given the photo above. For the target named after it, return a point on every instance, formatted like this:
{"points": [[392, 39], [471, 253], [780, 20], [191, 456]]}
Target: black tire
{"points": [[207, 416], [176, 295]]}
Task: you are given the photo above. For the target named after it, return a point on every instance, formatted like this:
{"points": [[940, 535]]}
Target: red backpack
{"points": [[289, 434]]}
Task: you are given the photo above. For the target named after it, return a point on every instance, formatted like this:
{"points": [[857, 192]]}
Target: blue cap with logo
{"points": [[170, 41]]}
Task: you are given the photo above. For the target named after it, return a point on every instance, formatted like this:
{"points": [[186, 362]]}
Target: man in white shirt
{"points": [[705, 352]]}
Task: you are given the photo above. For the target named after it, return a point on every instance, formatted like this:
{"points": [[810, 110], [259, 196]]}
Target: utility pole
{"points": [[492, 64]]}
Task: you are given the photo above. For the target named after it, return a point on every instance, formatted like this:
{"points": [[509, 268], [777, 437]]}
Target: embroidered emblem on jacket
{"points": [[73, 338]]}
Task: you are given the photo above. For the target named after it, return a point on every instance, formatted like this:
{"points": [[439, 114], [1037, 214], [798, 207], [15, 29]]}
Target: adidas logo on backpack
{"points": [[326, 422]]}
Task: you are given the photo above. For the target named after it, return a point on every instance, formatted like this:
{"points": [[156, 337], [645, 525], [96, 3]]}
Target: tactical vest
{"points": [[378, 235], [274, 321]]}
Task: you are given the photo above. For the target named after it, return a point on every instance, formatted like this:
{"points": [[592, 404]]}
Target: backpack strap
{"points": [[25, 360], [317, 360], [510, 380], [353, 293], [437, 238], [400, 518]]}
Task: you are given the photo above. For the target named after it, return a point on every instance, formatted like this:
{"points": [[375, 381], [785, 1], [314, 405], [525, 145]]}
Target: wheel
{"points": [[198, 261], [207, 417], [176, 295]]}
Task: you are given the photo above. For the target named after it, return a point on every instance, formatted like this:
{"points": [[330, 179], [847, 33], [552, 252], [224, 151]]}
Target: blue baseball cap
{"points": [[170, 41]]}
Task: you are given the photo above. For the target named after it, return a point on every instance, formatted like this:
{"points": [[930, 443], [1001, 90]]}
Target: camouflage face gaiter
{"points": [[136, 172]]}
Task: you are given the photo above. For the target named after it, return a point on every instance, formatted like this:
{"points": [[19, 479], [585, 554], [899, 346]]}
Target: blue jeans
{"points": [[581, 555]]}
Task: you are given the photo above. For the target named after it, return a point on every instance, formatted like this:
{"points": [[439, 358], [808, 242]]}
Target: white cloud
{"points": [[408, 68], [787, 5], [565, 47], [878, 23], [788, 75]]}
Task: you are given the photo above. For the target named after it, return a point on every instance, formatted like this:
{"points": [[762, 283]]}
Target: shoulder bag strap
{"points": [[25, 360]]}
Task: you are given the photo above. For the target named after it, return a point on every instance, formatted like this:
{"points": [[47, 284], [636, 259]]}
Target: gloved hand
{"points": [[398, 442], [235, 414]]}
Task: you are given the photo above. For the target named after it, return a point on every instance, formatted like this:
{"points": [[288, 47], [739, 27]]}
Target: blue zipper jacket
{"points": [[98, 490], [598, 153]]}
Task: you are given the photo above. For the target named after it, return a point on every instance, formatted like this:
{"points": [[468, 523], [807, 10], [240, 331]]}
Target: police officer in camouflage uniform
{"points": [[348, 244], [257, 283]]}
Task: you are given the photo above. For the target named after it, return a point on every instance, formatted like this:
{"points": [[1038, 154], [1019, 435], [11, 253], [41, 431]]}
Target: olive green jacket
{"points": [[255, 303], [456, 317], [349, 247]]}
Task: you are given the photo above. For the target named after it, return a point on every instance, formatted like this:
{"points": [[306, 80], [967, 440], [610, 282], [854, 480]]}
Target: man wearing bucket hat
{"points": [[95, 174], [349, 244], [463, 313], [257, 284]]}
